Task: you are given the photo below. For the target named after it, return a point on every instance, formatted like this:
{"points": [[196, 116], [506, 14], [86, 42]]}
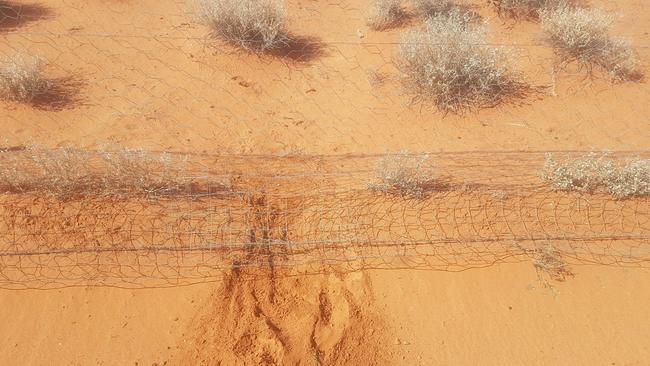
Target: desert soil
{"points": [[146, 74]]}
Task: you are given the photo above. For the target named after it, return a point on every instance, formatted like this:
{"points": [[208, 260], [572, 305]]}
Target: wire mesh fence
{"points": [[156, 62], [181, 219], [311, 214]]}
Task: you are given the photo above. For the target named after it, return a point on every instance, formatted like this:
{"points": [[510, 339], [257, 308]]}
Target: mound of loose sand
{"points": [[264, 317]]}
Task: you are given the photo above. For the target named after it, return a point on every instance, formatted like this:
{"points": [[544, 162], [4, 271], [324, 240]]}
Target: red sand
{"points": [[150, 81]]}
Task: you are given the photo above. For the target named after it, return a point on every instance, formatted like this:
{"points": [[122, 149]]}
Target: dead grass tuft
{"points": [[428, 8], [432, 8], [448, 62], [405, 175], [582, 35], [631, 179], [548, 260], [599, 173], [255, 25], [22, 79], [525, 9], [386, 14], [585, 174], [67, 172]]}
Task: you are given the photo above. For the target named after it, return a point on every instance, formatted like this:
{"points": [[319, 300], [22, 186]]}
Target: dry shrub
{"points": [[405, 175], [22, 79], [582, 35], [524, 9], [449, 63], [52, 171], [376, 78], [432, 8], [385, 14], [549, 261], [586, 174], [599, 173], [67, 172], [150, 173], [631, 179], [256, 25]]}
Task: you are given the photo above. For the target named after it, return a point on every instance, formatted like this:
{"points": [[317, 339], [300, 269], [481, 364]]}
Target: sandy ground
{"points": [[102, 326], [503, 315], [144, 74], [148, 78], [493, 316]]}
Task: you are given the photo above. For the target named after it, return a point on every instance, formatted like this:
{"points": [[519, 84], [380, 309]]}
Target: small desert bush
{"points": [[139, 170], [22, 79], [385, 14], [256, 25], [403, 174], [67, 172], [587, 173], [599, 173], [525, 9], [631, 179], [429, 8], [449, 63], [548, 260], [582, 35]]}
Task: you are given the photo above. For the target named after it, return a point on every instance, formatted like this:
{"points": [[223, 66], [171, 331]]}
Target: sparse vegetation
{"points": [[22, 79], [582, 35], [256, 25], [524, 9], [587, 173], [429, 8], [548, 260], [67, 172], [631, 179], [14, 14], [448, 62], [599, 173], [404, 174], [386, 14]]}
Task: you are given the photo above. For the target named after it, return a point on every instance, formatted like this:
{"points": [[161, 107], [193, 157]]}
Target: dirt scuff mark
{"points": [[322, 319], [265, 315]]}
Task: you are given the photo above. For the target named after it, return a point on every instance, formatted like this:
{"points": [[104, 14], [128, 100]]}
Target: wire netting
{"points": [[154, 71], [157, 63], [311, 214]]}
